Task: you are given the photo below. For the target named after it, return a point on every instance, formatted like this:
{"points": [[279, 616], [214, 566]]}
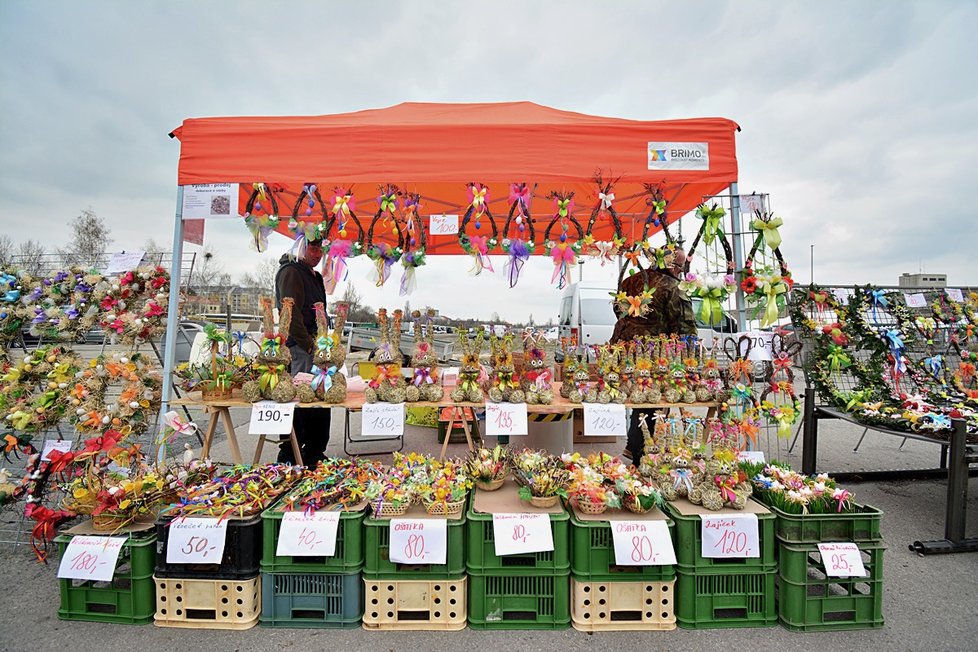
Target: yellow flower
{"points": [[81, 493], [125, 504]]}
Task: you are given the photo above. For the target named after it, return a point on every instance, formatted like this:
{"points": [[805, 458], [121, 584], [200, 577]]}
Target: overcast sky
{"points": [[859, 118]]}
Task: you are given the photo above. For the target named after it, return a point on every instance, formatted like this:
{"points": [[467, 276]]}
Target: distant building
{"points": [[923, 280]]}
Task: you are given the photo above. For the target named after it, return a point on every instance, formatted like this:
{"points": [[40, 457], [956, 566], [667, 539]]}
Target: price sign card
{"points": [[955, 294], [642, 543], [443, 225], [418, 541], [383, 420], [505, 419], [271, 418], [915, 300], [760, 344], [604, 420], [123, 262], [90, 558], [308, 535], [196, 541], [842, 560], [516, 534], [751, 456], [730, 535], [51, 445]]}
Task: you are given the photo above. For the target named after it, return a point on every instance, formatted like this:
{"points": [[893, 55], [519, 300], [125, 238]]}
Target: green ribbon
{"points": [[388, 204], [660, 206], [771, 292], [711, 222], [506, 380], [837, 358], [47, 399], [20, 420], [324, 343], [269, 346], [855, 397], [468, 384], [711, 310], [660, 257], [769, 230], [269, 377], [562, 205]]}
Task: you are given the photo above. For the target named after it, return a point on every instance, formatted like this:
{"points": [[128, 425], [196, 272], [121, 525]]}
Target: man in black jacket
{"points": [[300, 280]]}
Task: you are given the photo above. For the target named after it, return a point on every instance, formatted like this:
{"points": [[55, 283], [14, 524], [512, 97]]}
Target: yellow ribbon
{"points": [[340, 204], [269, 377], [771, 291], [769, 230]]}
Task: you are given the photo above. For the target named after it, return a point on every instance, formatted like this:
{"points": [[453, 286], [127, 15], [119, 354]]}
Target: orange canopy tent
{"points": [[437, 150]]}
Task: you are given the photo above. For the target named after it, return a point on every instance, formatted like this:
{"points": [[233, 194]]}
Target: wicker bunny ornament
{"points": [[328, 383], [388, 385], [273, 359], [468, 388], [424, 385], [537, 375], [504, 383]]}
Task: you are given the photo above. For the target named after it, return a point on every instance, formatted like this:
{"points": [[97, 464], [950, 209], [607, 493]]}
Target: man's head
{"points": [[314, 253], [678, 262]]}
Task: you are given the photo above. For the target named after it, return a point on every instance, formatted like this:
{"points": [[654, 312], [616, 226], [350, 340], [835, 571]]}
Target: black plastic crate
{"points": [[241, 559]]}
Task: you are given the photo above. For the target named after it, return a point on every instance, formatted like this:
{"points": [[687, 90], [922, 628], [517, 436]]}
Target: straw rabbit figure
{"points": [[273, 359], [644, 389], [537, 375], [568, 367], [468, 388], [424, 386], [328, 383], [388, 385], [504, 384], [579, 382]]}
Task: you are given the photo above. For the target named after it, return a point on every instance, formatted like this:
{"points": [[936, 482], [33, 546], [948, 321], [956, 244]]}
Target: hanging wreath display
{"points": [[604, 250], [337, 244], [965, 378], [660, 258], [476, 245], [566, 248], [740, 373], [766, 287], [520, 246], [261, 215], [415, 242], [34, 390], [384, 255], [307, 224], [138, 400], [714, 283], [134, 307], [11, 309]]}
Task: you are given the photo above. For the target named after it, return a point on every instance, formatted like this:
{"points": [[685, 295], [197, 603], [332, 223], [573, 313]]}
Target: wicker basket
{"points": [[386, 508], [106, 522], [544, 502], [634, 505], [490, 485], [215, 393], [441, 508], [587, 507]]}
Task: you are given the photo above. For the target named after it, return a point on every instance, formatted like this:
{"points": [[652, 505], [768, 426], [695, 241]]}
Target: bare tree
{"points": [[209, 275], [89, 239], [358, 311], [155, 251], [30, 257], [262, 277], [6, 250]]}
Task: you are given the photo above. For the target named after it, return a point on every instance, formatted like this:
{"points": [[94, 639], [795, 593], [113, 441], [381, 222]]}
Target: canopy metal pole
{"points": [[738, 252], [173, 310]]}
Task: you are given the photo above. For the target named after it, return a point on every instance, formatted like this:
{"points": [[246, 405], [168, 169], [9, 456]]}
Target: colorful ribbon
{"points": [[711, 308], [771, 289], [422, 376], [563, 258], [682, 477], [269, 376], [322, 378], [711, 222], [480, 254], [837, 358], [769, 231], [334, 267], [518, 254]]}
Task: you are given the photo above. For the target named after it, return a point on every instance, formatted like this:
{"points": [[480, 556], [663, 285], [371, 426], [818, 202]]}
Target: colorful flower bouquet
{"points": [[488, 468], [446, 490], [240, 491], [778, 486], [333, 482]]}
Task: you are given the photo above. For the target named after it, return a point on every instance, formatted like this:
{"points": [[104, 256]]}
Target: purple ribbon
{"points": [[518, 255]]}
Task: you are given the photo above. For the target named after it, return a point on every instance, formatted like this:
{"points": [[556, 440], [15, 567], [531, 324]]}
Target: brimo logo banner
{"points": [[679, 156]]}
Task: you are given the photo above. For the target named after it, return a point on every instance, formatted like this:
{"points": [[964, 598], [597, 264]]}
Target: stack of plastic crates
{"points": [[723, 592], [808, 598], [321, 592], [524, 591], [609, 597], [128, 598], [413, 596]]}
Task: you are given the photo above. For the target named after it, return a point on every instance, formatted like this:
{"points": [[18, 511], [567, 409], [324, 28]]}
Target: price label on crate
{"points": [[308, 535], [271, 418], [418, 541], [915, 300], [516, 534], [955, 294], [90, 558], [51, 445], [730, 535], [383, 420], [642, 543], [443, 225], [842, 560], [604, 420], [196, 540], [505, 419], [751, 456]]}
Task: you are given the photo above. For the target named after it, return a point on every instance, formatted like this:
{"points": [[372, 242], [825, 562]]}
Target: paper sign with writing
{"points": [[505, 419], [751, 456], [51, 445], [955, 294], [212, 201], [916, 300], [605, 419], [418, 541], [443, 225], [642, 543], [307, 535], [730, 535], [271, 418], [842, 294], [842, 560], [196, 540], [760, 349], [383, 419], [90, 558], [517, 534], [123, 262]]}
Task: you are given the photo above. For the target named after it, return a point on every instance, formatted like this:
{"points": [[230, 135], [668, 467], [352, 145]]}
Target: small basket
{"points": [[442, 508], [544, 502], [215, 393], [587, 507], [386, 508], [107, 522], [634, 505], [490, 485]]}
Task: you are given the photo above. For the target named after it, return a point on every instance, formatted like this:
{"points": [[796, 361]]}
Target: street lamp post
{"points": [[811, 257]]}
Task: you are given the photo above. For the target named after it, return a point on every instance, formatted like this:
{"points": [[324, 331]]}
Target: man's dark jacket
{"points": [[298, 280]]}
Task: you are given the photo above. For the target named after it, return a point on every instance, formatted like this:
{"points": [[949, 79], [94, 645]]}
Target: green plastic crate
{"points": [[689, 547], [832, 604], [482, 557], [593, 556], [863, 524], [129, 598], [803, 563], [379, 566], [540, 601], [347, 558], [710, 600], [320, 600]]}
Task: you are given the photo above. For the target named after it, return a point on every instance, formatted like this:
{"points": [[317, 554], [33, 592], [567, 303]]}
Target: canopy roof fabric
{"points": [[437, 150]]}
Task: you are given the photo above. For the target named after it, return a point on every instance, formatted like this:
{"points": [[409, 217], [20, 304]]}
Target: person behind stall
{"points": [[671, 312], [297, 278]]}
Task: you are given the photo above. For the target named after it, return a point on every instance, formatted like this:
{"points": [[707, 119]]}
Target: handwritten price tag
{"points": [[51, 445], [730, 535], [751, 456], [308, 535], [517, 534], [842, 560], [915, 300], [271, 418], [760, 341], [955, 294], [642, 543], [418, 541], [196, 541], [383, 420], [443, 225], [604, 420], [90, 558], [505, 419]]}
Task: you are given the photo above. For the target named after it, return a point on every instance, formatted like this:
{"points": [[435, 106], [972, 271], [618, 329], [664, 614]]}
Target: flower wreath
{"points": [[385, 255], [33, 392], [133, 409], [133, 305], [338, 248], [259, 220], [965, 378], [563, 251], [946, 312], [807, 308], [478, 246], [519, 248], [11, 309], [766, 288], [604, 250], [414, 255]]}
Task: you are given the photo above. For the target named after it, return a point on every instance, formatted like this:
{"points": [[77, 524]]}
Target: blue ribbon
{"points": [[240, 336], [896, 350], [879, 299], [940, 420], [11, 296], [682, 476], [935, 366], [322, 378]]}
